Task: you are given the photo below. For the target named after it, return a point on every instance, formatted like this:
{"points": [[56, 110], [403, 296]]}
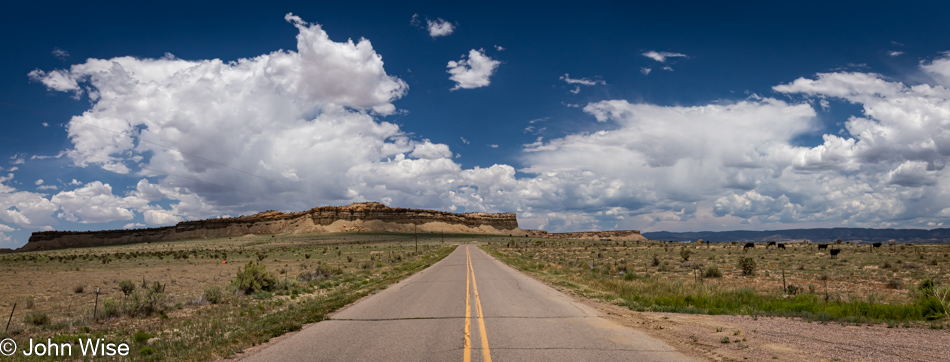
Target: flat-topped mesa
{"points": [[49, 240], [367, 211], [365, 216]]}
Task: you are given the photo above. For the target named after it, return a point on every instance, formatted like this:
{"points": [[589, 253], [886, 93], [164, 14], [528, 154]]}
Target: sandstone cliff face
{"points": [[377, 211], [368, 216]]}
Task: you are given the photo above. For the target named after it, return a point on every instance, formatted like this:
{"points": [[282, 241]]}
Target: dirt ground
{"points": [[780, 339]]}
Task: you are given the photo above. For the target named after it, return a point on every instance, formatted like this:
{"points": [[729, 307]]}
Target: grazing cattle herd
{"points": [[832, 250]]}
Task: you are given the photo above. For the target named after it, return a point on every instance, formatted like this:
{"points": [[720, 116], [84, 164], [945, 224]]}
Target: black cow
{"points": [[748, 245], [876, 245], [834, 252], [822, 246], [781, 246], [771, 243]]}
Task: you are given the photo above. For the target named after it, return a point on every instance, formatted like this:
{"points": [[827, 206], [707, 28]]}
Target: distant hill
{"points": [[814, 235]]}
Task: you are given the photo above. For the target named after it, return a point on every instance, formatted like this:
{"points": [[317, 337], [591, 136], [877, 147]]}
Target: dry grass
{"points": [[657, 276], [49, 282]]}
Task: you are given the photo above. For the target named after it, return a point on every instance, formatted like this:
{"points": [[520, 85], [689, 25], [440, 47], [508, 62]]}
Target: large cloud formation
{"points": [[284, 131], [283, 123], [663, 162], [721, 166], [287, 130]]}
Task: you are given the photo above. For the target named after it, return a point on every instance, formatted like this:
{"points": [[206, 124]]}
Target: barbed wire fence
{"points": [[23, 312], [19, 313]]}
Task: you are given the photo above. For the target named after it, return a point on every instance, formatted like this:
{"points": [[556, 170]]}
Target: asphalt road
{"points": [[468, 307]]}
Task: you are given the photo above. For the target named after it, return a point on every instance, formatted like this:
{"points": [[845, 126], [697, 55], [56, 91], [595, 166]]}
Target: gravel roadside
{"points": [[744, 338]]}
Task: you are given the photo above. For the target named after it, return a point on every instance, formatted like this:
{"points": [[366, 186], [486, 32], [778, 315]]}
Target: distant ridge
{"points": [[814, 235], [356, 217]]}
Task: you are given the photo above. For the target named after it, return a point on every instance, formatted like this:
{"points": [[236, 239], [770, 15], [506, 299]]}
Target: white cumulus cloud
{"points": [[161, 217], [704, 166], [436, 28], [240, 132], [660, 160], [439, 27], [473, 71], [429, 150], [95, 203], [25, 209], [939, 69]]}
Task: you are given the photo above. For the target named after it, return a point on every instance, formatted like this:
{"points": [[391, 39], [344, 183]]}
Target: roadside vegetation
{"points": [[203, 299], [900, 285]]}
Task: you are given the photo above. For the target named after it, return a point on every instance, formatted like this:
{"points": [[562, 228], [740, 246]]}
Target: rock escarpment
{"points": [[367, 216], [376, 211]]}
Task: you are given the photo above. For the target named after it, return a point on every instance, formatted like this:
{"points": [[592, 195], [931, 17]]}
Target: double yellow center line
{"points": [[470, 279]]}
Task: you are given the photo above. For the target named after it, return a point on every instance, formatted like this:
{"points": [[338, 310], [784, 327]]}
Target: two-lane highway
{"points": [[468, 307]]}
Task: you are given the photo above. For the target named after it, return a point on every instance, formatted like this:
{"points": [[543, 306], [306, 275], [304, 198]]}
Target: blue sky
{"points": [[651, 116]]}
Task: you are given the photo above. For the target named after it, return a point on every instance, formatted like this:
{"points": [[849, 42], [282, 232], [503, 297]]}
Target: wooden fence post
{"points": [[11, 317], [95, 309], [784, 287]]}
